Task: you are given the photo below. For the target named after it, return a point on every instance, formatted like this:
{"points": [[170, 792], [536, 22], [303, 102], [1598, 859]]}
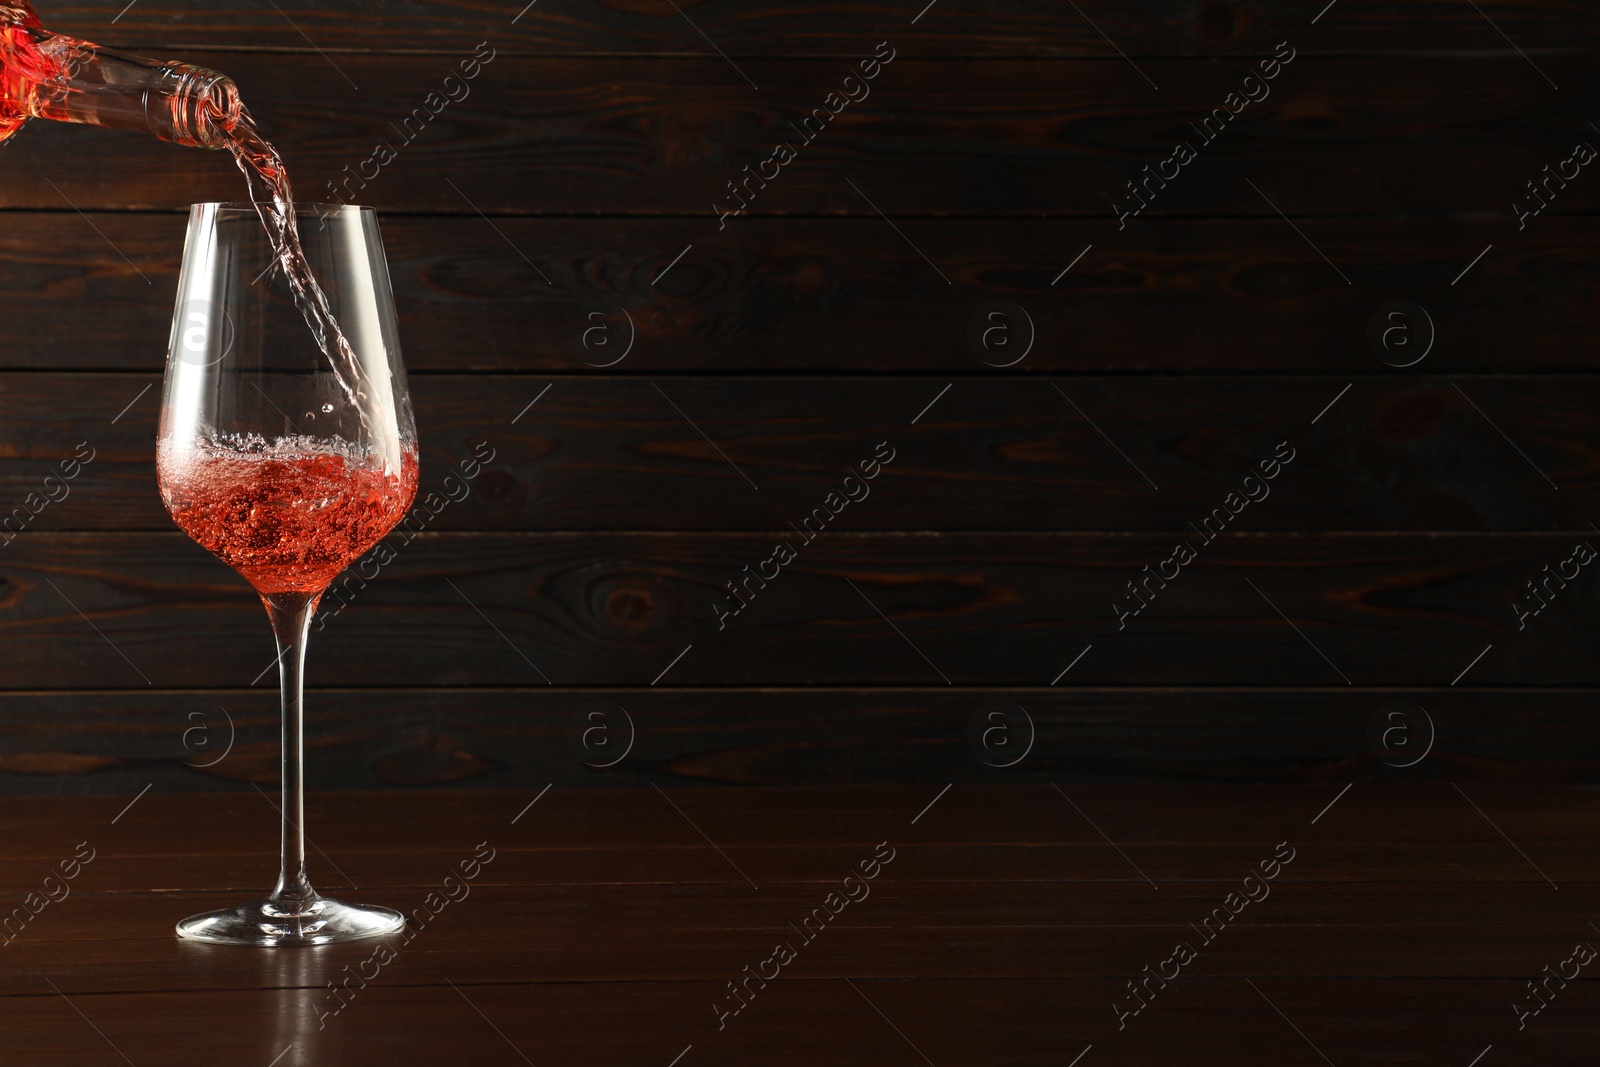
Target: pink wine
{"points": [[288, 517], [47, 75]]}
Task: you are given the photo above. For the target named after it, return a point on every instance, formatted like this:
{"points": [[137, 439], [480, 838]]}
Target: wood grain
{"points": [[844, 296], [1022, 1021], [1408, 454], [637, 837], [827, 28], [1000, 904], [118, 741], [976, 609], [1379, 137], [967, 930]]}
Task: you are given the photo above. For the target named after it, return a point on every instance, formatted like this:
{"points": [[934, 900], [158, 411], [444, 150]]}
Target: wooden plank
{"points": [[1411, 454], [848, 295], [1028, 832], [1028, 910], [119, 609], [830, 27], [1188, 832], [803, 1020], [1042, 961], [247, 866], [704, 934], [117, 742], [1379, 137]]}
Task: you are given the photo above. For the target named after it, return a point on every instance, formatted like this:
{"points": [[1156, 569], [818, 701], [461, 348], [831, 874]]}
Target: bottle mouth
{"points": [[204, 106]]}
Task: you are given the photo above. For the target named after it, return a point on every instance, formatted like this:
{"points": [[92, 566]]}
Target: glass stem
{"points": [[291, 622]]}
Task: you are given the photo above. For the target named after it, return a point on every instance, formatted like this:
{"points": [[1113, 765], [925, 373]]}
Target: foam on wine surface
{"points": [[289, 515]]}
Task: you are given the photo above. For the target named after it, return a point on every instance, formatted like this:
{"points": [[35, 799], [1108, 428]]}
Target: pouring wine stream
{"points": [[262, 166]]}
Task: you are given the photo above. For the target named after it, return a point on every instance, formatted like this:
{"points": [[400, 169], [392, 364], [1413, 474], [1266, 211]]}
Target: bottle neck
{"points": [[69, 80], [191, 105]]}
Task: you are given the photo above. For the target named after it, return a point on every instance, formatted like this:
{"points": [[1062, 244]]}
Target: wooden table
{"points": [[1003, 929]]}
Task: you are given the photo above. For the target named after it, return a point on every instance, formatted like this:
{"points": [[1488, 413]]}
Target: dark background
{"points": [[1176, 352]]}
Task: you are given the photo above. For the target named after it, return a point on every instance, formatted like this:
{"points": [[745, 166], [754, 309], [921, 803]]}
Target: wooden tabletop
{"points": [[982, 925]]}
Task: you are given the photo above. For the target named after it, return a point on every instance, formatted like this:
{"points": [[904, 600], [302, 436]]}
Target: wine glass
{"points": [[288, 464]]}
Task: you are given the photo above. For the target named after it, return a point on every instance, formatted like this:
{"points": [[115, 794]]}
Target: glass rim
{"points": [[301, 207]]}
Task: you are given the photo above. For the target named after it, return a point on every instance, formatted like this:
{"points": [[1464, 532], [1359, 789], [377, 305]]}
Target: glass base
{"points": [[272, 924]]}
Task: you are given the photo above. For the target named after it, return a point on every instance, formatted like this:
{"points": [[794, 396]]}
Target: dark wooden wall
{"points": [[1173, 355]]}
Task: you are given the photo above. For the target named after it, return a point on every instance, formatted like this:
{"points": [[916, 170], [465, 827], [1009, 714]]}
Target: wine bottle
{"points": [[47, 75]]}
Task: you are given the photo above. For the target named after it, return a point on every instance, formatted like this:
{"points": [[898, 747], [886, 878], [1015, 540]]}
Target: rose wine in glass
{"points": [[287, 471]]}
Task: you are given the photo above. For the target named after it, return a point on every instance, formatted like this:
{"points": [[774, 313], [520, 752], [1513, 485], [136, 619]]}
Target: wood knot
{"points": [[496, 486], [631, 608]]}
